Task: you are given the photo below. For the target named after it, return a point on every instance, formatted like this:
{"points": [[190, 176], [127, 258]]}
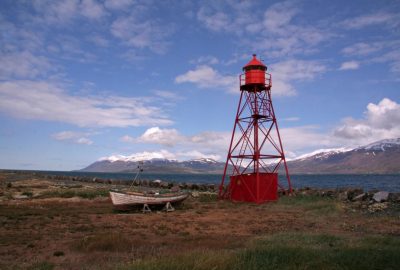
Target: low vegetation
{"points": [[305, 231], [290, 251], [70, 193]]}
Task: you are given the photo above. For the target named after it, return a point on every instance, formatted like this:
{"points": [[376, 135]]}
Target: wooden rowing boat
{"points": [[125, 200]]}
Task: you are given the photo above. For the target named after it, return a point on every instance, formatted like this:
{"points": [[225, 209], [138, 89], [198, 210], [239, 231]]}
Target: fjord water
{"points": [[387, 182]]}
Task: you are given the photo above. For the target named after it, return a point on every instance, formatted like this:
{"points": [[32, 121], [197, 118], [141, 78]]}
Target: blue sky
{"points": [[85, 79]]}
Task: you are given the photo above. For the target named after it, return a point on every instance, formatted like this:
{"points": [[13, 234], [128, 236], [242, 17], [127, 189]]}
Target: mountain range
{"points": [[379, 157]]}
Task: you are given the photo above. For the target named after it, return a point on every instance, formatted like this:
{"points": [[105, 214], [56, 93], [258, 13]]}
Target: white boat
{"points": [[126, 200]]}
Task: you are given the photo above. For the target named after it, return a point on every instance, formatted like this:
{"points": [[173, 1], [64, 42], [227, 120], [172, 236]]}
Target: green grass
{"points": [[86, 194], [290, 251], [42, 266], [207, 197], [312, 203]]}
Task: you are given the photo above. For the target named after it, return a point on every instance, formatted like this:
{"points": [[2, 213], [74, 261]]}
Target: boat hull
{"points": [[122, 200]]}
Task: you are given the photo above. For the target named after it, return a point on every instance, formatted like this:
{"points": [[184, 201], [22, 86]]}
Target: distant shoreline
{"points": [[388, 182]]}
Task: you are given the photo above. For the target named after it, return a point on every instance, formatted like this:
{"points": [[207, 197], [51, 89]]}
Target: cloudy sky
{"points": [[86, 79]]}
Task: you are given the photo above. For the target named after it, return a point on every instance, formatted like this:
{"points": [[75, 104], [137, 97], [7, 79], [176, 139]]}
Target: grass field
{"points": [[77, 228]]}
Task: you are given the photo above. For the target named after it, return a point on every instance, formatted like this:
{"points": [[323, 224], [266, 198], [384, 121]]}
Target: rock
{"points": [[155, 183], [360, 197], [381, 196], [376, 207], [164, 185], [20, 197], [195, 194], [183, 185], [354, 192], [343, 196], [394, 197], [328, 193], [175, 189], [211, 187], [203, 187]]}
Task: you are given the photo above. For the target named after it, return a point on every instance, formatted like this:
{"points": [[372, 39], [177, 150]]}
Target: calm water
{"points": [[388, 182]]}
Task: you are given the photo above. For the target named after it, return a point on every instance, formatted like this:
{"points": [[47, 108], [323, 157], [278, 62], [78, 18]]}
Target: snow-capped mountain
{"points": [[378, 157], [382, 145], [155, 165], [323, 153]]}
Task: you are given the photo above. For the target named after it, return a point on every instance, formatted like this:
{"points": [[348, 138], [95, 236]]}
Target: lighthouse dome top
{"points": [[255, 63]]}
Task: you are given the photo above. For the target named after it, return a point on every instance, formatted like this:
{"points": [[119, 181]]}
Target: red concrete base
{"points": [[247, 188]]}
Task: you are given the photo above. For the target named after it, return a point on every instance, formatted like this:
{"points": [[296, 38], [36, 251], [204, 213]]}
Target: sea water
{"points": [[387, 182]]}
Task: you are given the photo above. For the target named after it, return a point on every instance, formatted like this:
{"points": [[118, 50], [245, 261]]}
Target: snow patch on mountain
{"points": [[203, 160], [143, 156], [323, 153], [380, 145]]}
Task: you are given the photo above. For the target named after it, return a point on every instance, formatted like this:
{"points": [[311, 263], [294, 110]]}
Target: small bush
{"points": [[208, 197], [58, 253]]}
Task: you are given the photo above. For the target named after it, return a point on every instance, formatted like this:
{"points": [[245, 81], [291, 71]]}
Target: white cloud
{"points": [[63, 12], [378, 52], [162, 154], [206, 60], [99, 40], [156, 135], [91, 9], [207, 77], [23, 65], [141, 33], [194, 154], [284, 72], [118, 4], [215, 21], [212, 144], [57, 11], [363, 48], [73, 136], [279, 15], [381, 121], [47, 101], [368, 20], [349, 65], [278, 36]]}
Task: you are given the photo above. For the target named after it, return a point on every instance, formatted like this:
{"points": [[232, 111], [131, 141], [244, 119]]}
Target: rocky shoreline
{"points": [[373, 200]]}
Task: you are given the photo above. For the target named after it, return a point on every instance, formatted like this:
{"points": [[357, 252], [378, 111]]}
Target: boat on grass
{"points": [[126, 200]]}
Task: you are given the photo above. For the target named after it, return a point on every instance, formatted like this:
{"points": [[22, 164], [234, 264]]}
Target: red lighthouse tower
{"points": [[255, 152]]}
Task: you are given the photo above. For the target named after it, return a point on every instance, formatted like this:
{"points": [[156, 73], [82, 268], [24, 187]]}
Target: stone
{"points": [[354, 192], [360, 197], [376, 207], [394, 197], [175, 189], [20, 197], [164, 185], [343, 196], [381, 196], [195, 194]]}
